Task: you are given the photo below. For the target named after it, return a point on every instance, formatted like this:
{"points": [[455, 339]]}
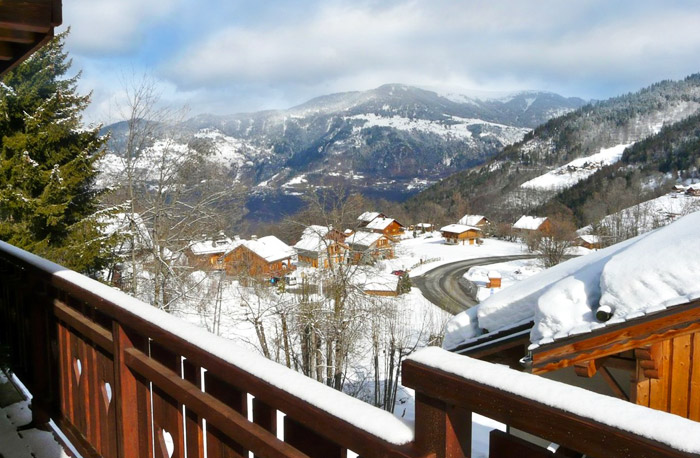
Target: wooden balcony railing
{"points": [[123, 379]]}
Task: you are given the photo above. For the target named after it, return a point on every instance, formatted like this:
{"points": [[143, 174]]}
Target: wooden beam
{"points": [[674, 322], [28, 16], [588, 368], [613, 384], [6, 52], [17, 36], [92, 331]]}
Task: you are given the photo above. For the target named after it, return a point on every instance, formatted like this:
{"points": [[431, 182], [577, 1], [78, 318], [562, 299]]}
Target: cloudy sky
{"points": [[227, 56]]}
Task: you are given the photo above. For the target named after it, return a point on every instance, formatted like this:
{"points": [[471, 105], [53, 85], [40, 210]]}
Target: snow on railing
{"points": [[584, 406], [370, 419]]}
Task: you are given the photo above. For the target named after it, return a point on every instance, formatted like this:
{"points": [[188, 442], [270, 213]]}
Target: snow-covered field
{"points": [[579, 169], [428, 251], [510, 272], [651, 214]]}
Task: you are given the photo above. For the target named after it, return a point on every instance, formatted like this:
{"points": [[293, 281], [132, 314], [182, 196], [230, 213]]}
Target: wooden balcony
{"points": [[122, 379]]}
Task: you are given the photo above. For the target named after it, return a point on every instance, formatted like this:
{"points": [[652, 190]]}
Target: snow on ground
{"points": [[563, 300], [455, 127], [651, 214], [579, 169], [511, 272], [31, 443], [431, 249]]}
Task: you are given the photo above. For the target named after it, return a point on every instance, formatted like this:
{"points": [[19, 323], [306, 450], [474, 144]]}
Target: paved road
{"points": [[445, 287]]}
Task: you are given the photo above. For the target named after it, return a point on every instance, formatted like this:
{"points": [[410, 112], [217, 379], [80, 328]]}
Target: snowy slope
{"points": [[579, 169]]}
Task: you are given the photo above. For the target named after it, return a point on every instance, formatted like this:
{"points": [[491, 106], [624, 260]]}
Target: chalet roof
{"points": [[381, 223], [220, 245], [363, 239], [367, 217], [529, 222], [562, 301], [314, 239], [494, 274], [588, 238], [426, 225], [471, 220], [270, 248], [27, 26], [458, 228]]}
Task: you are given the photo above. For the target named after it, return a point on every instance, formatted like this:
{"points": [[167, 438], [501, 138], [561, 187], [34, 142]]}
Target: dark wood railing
{"points": [[122, 379]]}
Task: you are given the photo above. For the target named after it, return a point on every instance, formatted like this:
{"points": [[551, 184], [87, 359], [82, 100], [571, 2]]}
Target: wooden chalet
{"points": [[424, 227], [263, 258], [532, 224], [208, 254], [387, 226], [479, 221], [592, 242], [367, 217], [494, 279], [382, 285], [459, 234], [693, 190], [321, 246], [368, 247], [648, 356]]}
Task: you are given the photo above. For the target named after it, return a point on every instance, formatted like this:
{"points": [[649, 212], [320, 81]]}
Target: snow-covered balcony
{"points": [[123, 379]]}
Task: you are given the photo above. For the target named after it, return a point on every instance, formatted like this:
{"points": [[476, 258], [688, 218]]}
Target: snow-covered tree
{"points": [[48, 196]]}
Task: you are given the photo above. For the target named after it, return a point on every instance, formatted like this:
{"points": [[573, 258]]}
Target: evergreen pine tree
{"points": [[48, 197]]}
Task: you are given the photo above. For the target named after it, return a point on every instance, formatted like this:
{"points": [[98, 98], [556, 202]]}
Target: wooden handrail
{"points": [[115, 374]]}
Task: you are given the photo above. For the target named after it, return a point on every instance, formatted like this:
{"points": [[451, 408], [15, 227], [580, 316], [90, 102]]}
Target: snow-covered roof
{"points": [[366, 217], [382, 283], [471, 220], [494, 274], [646, 274], [458, 228], [529, 222], [588, 238], [363, 239], [221, 245], [313, 239], [422, 225], [381, 223], [270, 248]]}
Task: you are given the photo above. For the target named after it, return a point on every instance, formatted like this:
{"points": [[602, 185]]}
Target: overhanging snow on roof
{"points": [[647, 274]]}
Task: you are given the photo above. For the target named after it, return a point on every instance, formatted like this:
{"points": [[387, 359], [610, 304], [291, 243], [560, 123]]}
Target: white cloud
{"points": [[108, 26]]}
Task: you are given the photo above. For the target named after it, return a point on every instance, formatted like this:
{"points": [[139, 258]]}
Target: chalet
{"points": [[265, 257], [367, 217], [623, 321], [456, 234], [532, 223], [479, 221], [592, 242], [207, 254], [424, 227], [387, 226], [679, 188], [693, 190], [368, 247], [321, 246]]}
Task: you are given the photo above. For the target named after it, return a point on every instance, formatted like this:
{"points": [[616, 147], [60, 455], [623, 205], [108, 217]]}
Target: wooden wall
{"points": [[677, 388]]}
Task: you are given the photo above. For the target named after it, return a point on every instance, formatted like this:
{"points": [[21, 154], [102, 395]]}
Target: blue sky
{"points": [[221, 57]]}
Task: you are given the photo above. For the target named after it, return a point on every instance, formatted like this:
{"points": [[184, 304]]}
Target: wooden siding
{"points": [[242, 259], [677, 390], [455, 238]]}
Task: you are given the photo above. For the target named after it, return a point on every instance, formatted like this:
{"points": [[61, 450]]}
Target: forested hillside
{"points": [[659, 121]]}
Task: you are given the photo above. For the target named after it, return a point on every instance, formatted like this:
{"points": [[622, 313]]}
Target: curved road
{"points": [[444, 286]]}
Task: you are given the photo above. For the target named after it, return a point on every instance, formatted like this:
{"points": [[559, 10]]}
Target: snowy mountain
{"points": [[390, 141], [592, 161]]}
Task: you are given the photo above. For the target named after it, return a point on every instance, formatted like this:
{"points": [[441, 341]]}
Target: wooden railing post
{"points": [[442, 429], [132, 403], [41, 355]]}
